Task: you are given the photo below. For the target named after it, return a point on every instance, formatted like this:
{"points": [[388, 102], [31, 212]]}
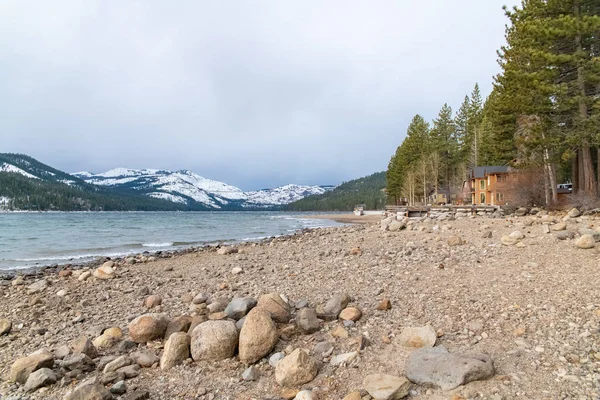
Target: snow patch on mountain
{"points": [[283, 194], [168, 196], [186, 187], [11, 168]]}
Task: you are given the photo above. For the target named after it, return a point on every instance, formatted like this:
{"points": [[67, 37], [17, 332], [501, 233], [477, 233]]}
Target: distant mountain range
{"points": [[27, 184], [186, 187]]}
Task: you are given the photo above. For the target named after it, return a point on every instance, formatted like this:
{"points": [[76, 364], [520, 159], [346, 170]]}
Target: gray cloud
{"points": [[256, 94]]}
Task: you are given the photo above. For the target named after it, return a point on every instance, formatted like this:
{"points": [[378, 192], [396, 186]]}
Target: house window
{"points": [[499, 197], [501, 178], [482, 198], [482, 184]]}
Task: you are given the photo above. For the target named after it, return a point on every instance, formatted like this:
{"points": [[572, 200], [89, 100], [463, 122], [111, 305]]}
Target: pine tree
{"points": [[445, 143]]}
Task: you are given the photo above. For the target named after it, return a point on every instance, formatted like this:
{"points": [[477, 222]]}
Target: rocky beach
{"points": [[452, 307]]}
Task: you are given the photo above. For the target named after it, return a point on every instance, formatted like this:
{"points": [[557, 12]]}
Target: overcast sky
{"points": [[253, 93]]}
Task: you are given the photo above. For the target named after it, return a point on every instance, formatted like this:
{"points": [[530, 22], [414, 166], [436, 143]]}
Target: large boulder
{"points": [[177, 350], [148, 327], [386, 387], [23, 367], [276, 306], [418, 337], [214, 341], [307, 320], [437, 367], [258, 336], [296, 369]]}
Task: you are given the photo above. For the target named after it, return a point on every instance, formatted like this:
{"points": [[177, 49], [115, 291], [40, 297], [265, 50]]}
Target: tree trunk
{"points": [[586, 172], [553, 183], [575, 173], [547, 184]]}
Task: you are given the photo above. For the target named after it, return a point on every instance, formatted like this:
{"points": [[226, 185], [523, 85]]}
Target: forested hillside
{"points": [[27, 184], [366, 190], [543, 114]]}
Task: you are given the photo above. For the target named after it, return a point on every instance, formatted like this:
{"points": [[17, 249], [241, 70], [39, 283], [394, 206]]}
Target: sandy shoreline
{"points": [[349, 218], [531, 306]]}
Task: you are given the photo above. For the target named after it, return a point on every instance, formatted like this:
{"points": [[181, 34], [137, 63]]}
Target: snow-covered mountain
{"points": [[187, 187], [285, 194]]}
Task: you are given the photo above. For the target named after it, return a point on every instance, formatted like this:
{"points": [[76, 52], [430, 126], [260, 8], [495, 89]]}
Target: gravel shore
{"points": [[517, 289]]}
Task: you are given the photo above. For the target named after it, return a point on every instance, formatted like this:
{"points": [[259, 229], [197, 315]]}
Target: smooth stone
{"points": [[385, 305], [148, 327], [454, 241], [275, 358], [350, 314], [586, 241], [5, 326], [177, 350], [239, 307], [437, 367], [41, 377], [276, 306], [62, 352], [130, 371], [84, 276], [118, 363], [119, 388], [23, 367], [152, 301], [386, 387], [332, 309], [104, 272], [78, 362], [343, 358], [353, 396], [217, 305], [418, 337], [296, 369], [251, 374], [83, 345], [307, 321], [306, 395], [89, 390], [179, 324], [37, 287], [144, 359]]}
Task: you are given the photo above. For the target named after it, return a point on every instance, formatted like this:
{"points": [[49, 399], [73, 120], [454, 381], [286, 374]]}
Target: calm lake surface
{"points": [[37, 239]]}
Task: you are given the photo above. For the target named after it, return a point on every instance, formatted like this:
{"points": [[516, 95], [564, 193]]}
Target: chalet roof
{"points": [[481, 172]]}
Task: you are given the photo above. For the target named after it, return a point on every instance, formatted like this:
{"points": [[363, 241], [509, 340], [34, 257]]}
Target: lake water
{"points": [[38, 239]]}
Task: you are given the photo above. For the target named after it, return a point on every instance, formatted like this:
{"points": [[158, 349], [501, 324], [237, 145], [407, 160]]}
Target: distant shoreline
{"points": [[349, 218]]}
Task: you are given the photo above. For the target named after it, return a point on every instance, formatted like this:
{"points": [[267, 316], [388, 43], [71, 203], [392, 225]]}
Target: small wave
{"points": [[250, 239], [165, 244]]}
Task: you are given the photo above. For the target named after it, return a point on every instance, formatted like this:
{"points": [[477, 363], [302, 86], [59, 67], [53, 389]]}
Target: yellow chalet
{"points": [[489, 185]]}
